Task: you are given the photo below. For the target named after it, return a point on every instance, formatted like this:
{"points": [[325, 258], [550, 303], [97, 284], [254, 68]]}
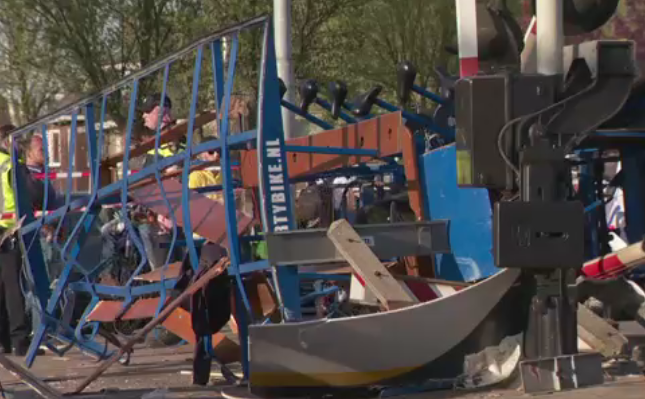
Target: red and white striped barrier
{"points": [[61, 175], [467, 37], [529, 53], [615, 263], [65, 175]]}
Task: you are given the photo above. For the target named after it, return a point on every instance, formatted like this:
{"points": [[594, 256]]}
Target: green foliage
{"points": [[27, 62], [96, 43]]}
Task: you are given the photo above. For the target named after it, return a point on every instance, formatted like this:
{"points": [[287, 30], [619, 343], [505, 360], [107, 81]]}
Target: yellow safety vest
{"points": [[205, 178], [7, 200], [164, 151]]}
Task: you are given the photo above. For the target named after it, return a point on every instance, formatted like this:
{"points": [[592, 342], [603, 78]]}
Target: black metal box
{"points": [[483, 105], [539, 235]]}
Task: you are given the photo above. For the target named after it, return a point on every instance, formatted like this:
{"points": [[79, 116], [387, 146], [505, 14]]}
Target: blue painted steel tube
{"points": [[330, 150], [233, 141], [342, 115], [274, 188], [408, 115], [428, 94], [185, 203], [306, 115]]}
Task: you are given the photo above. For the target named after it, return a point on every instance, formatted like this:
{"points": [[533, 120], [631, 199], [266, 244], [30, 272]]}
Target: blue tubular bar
{"points": [[275, 192], [316, 294], [185, 195], [217, 63], [233, 141], [257, 266], [124, 182], [224, 104], [330, 150], [227, 178], [173, 241], [123, 291], [408, 115], [428, 94], [84, 333], [342, 115], [306, 115]]}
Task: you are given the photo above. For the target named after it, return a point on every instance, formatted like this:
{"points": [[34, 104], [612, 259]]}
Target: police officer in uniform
{"points": [[153, 115], [14, 326]]}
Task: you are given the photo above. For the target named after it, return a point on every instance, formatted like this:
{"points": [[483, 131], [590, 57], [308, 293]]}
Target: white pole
{"points": [[529, 54], [467, 37], [550, 37], [282, 24]]}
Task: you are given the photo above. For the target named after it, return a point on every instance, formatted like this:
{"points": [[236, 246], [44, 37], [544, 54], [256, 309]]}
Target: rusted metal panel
{"points": [[172, 271], [263, 300], [106, 311], [207, 216], [382, 133], [142, 309]]}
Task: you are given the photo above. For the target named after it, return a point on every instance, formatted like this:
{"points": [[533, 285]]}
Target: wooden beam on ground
{"points": [[365, 264], [40, 387], [198, 284], [599, 334]]}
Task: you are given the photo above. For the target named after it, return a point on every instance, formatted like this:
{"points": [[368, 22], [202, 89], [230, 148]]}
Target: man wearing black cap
{"points": [[153, 115]]}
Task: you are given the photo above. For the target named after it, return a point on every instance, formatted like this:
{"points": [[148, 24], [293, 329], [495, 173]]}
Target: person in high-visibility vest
{"points": [[206, 178], [151, 234], [152, 116], [14, 326]]}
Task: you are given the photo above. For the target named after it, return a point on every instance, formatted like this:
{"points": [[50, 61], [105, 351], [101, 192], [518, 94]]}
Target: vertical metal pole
{"points": [[275, 192], [550, 37], [282, 26]]}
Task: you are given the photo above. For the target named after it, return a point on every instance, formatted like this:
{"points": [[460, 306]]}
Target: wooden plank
{"points": [[382, 133], [207, 216], [30, 379], [598, 334], [377, 278], [213, 272]]}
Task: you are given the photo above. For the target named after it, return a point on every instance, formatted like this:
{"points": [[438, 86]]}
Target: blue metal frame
{"points": [[275, 192], [36, 269]]}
